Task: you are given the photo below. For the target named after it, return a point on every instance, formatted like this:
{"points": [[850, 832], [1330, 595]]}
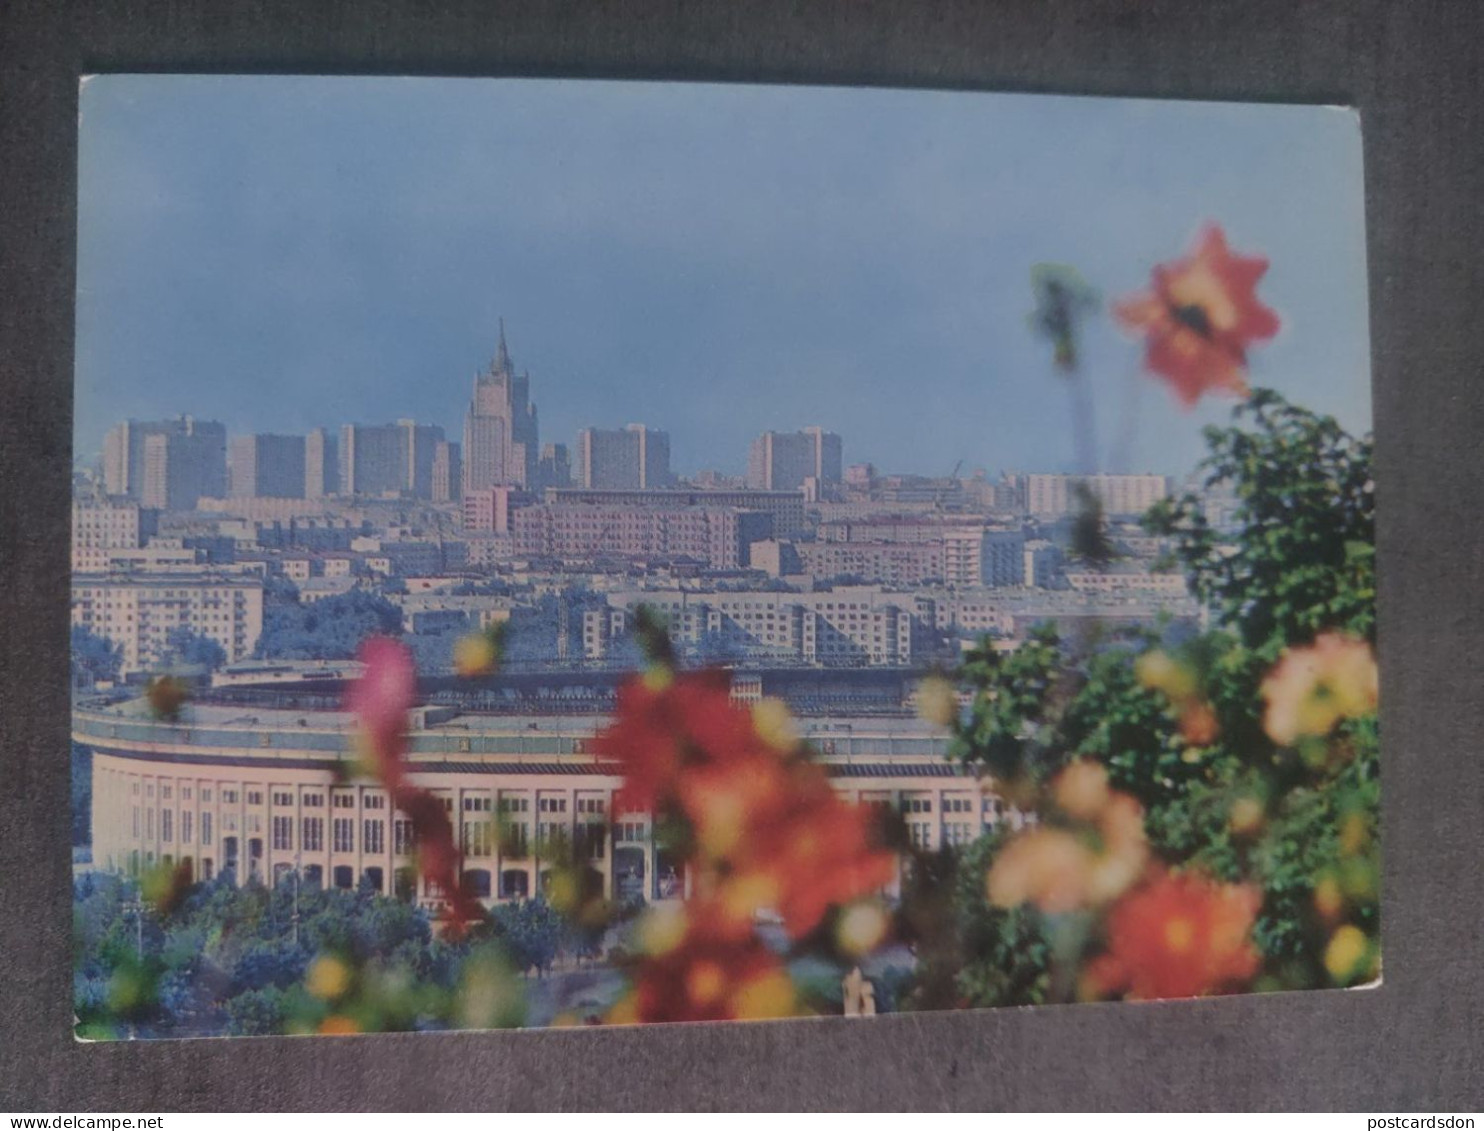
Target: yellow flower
{"points": [[338, 1025], [1056, 869], [705, 981], [743, 896], [1125, 849], [562, 892], [774, 724], [1353, 834], [475, 655], [1246, 816], [1347, 954], [1158, 672], [1329, 900], [661, 930], [1082, 790], [861, 928], [625, 1011], [328, 978], [767, 995], [1311, 689], [937, 701], [657, 678]]}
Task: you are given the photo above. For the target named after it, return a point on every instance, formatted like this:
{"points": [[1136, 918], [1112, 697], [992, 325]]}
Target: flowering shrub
{"points": [[1207, 812]]}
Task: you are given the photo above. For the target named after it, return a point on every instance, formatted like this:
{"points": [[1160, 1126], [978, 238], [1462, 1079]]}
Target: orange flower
{"points": [[1198, 318], [1311, 689], [1198, 724], [1062, 869], [1177, 936], [1049, 867]]}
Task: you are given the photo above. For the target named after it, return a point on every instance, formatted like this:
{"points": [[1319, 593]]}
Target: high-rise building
{"points": [[448, 471], [321, 464], [623, 459], [1053, 496], [265, 466], [500, 428], [373, 459], [554, 468], [388, 459], [783, 461], [190, 460], [183, 464], [421, 442]]}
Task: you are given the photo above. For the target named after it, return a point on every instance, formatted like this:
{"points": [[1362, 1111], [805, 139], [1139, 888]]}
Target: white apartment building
{"points": [[140, 612], [1054, 496]]}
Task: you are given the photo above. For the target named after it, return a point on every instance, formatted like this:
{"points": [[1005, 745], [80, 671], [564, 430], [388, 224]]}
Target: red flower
{"points": [[705, 973], [1198, 318], [823, 853], [665, 721], [1178, 936], [769, 832]]}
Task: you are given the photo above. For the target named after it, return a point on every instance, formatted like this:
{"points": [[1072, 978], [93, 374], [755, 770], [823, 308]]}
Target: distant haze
{"points": [[282, 253]]}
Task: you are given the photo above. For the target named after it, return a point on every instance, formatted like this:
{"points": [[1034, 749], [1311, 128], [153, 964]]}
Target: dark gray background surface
{"points": [[1413, 68]]}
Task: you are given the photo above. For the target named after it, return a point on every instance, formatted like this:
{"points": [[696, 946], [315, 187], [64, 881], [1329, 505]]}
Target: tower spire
{"points": [[502, 354]]}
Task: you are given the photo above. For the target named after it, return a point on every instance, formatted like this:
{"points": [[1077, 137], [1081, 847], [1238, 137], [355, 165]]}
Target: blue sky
{"points": [[282, 253]]}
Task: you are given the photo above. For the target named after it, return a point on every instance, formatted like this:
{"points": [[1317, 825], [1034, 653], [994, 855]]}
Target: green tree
{"points": [[94, 657], [1302, 557], [185, 647], [530, 932], [1296, 561], [328, 629]]}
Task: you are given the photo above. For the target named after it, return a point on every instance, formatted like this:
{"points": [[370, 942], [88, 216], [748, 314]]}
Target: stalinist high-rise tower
{"points": [[500, 437]]}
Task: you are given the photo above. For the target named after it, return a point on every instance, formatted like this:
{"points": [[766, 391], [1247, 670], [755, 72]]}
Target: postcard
{"points": [[598, 553]]}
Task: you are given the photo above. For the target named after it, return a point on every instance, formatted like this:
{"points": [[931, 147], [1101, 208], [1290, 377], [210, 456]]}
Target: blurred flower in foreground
{"points": [[478, 654], [1063, 869], [1062, 298], [1177, 936], [691, 973], [1349, 956], [937, 701], [768, 830], [166, 695], [1198, 318], [1311, 689], [164, 886], [328, 978], [380, 700], [1177, 681]]}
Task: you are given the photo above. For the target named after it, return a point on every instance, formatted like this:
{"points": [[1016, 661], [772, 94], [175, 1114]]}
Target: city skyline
{"points": [[327, 284], [672, 642]]}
